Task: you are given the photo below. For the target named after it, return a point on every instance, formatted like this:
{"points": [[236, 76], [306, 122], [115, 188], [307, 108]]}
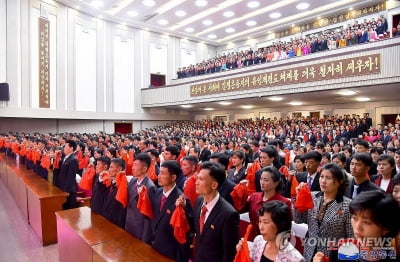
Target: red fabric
{"points": [[293, 186], [152, 171], [244, 255], [45, 162], [83, 162], [144, 204], [57, 160], [86, 182], [287, 156], [106, 179], [180, 224], [122, 185], [251, 177], [239, 195], [128, 164], [22, 150], [304, 200], [284, 170], [190, 189], [326, 259]]}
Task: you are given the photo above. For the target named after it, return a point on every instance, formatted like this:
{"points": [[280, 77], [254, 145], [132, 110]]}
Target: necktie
{"points": [[309, 181], [162, 201], [202, 217], [355, 191]]}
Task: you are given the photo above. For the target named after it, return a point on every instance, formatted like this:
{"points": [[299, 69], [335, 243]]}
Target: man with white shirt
{"points": [[311, 176], [216, 221]]}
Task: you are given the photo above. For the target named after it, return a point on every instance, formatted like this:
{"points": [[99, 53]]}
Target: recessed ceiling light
{"points": [[228, 13], [275, 98], [230, 30], [351, 9], [201, 2], [132, 13], [319, 17], [225, 103], [208, 108], [275, 15], [363, 99], [347, 93], [251, 23], [149, 2], [212, 36], [295, 103], [180, 13], [293, 25], [189, 29], [163, 22], [186, 106], [96, 3], [247, 106], [207, 22], [253, 4], [303, 6]]}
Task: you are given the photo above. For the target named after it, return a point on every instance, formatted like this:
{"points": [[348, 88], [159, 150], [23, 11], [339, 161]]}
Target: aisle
{"points": [[18, 243]]}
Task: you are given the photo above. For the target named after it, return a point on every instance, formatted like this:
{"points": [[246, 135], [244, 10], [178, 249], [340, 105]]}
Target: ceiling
{"points": [[380, 93], [229, 20]]}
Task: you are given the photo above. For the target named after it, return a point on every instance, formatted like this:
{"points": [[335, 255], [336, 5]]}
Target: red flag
{"points": [[143, 203], [190, 189], [122, 185], [239, 195], [106, 178], [152, 171], [86, 182], [180, 224], [304, 200], [251, 176], [45, 162], [293, 186], [243, 255]]}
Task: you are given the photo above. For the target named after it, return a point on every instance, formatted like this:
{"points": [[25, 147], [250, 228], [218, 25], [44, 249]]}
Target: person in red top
{"points": [[271, 183]]}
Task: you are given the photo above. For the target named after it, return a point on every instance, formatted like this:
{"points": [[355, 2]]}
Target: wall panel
{"points": [[3, 42]]}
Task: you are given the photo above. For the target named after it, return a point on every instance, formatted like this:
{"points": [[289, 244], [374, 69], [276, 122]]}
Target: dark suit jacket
{"points": [[367, 185], [137, 224], [217, 243], [99, 193], [204, 155], [65, 179], [225, 190], [163, 233], [113, 209], [302, 177]]}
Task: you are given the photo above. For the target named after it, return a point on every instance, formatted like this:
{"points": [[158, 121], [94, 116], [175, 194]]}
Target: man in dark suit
{"points": [[98, 188], [163, 204], [311, 176], [359, 167], [65, 179], [216, 221], [137, 223], [227, 186], [204, 152]]}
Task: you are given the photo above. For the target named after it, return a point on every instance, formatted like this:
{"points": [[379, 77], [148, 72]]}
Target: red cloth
{"points": [[86, 182], [244, 255], [45, 162], [294, 184], [239, 195], [106, 179], [122, 185], [144, 204], [287, 156], [251, 176], [304, 200], [152, 171], [180, 224], [190, 189], [57, 160], [284, 170]]}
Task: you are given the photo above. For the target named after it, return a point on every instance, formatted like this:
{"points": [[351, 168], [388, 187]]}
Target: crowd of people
{"points": [[184, 184], [358, 33]]}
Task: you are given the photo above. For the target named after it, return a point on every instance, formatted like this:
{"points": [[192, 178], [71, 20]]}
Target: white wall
{"points": [[3, 50]]}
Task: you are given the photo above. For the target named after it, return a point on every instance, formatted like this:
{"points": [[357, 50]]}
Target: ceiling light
{"points": [[207, 22], [363, 99], [149, 2], [275, 15], [253, 4], [293, 25], [132, 13], [247, 106], [251, 23], [275, 98], [180, 13], [228, 13], [225, 103], [208, 108], [295, 103], [319, 17], [351, 9], [186, 106], [302, 6], [212, 36], [347, 93], [96, 3], [230, 30], [201, 3], [189, 29], [162, 22]]}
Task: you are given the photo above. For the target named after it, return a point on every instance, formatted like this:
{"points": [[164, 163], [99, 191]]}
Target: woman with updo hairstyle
{"points": [[273, 243], [238, 172]]}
